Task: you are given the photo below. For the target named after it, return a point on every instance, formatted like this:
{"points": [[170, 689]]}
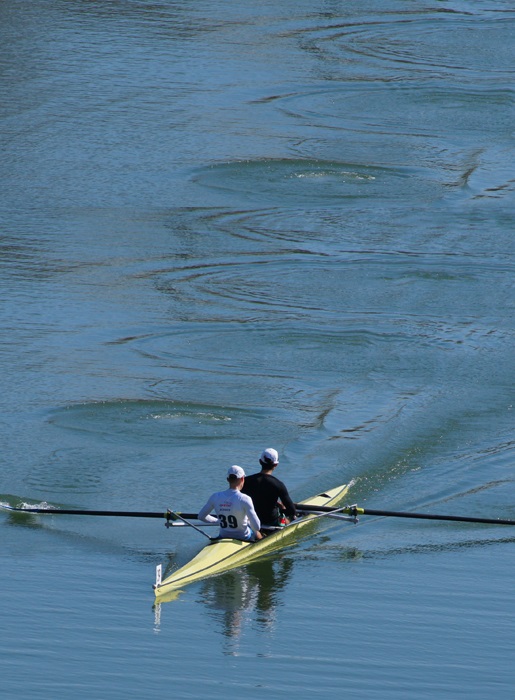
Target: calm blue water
{"points": [[228, 226]]}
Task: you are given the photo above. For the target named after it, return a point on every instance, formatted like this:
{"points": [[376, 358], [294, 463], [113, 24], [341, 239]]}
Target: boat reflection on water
{"points": [[249, 595], [237, 597]]}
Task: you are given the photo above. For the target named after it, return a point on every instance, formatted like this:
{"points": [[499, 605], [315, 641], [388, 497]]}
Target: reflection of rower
{"points": [[270, 496], [271, 577]]}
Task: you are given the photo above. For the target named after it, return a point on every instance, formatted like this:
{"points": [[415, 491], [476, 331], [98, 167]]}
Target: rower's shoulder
{"points": [[244, 497], [251, 482], [278, 483]]}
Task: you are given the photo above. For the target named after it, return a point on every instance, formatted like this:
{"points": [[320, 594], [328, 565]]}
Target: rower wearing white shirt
{"points": [[235, 510]]}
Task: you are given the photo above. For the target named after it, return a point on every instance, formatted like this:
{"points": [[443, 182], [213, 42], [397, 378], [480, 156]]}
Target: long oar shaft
{"points": [[455, 518], [351, 510], [110, 513], [354, 510]]}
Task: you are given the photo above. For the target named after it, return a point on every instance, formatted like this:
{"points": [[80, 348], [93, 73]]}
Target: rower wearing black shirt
{"points": [[270, 496]]}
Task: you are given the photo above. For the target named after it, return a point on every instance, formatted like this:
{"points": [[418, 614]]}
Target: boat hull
{"points": [[222, 555]]}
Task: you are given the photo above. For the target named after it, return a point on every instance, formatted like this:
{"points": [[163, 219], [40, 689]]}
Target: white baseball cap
{"points": [[269, 456], [236, 471]]}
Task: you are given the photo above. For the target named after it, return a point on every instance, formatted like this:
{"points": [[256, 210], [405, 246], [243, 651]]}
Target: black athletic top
{"points": [[265, 490]]}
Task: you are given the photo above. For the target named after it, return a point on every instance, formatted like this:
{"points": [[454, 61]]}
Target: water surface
{"points": [[228, 227]]}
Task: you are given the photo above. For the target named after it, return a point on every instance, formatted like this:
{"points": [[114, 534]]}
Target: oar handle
{"points": [[173, 515]]}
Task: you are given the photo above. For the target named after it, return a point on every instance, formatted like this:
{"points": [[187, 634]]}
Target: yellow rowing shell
{"points": [[224, 554]]}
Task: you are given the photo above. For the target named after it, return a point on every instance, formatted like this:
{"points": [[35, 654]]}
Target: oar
{"points": [[354, 510], [174, 515], [111, 513]]}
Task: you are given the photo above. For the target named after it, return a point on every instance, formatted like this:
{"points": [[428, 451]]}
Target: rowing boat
{"points": [[223, 554]]}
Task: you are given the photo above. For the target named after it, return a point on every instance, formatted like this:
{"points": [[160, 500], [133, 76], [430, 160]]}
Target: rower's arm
{"points": [[254, 521], [204, 513], [288, 504]]}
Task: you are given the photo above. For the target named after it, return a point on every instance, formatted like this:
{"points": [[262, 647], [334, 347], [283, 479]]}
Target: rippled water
{"points": [[228, 226]]}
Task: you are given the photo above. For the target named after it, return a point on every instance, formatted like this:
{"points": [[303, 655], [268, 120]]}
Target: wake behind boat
{"points": [[223, 554]]}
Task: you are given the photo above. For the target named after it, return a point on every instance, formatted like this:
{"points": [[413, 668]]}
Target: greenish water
{"points": [[228, 227]]}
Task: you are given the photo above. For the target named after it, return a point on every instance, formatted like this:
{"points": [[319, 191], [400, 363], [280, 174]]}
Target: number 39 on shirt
{"points": [[228, 521]]}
